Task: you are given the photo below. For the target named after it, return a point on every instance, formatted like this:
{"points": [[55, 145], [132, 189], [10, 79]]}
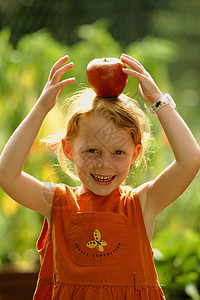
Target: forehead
{"points": [[99, 130]]}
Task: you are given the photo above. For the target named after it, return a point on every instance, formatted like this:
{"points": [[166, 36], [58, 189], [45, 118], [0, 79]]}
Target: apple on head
{"points": [[105, 76]]}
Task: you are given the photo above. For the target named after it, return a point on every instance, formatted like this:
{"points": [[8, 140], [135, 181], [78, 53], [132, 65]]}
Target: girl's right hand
{"points": [[52, 89]]}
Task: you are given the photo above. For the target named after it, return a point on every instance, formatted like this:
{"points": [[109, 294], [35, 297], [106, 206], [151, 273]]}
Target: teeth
{"points": [[102, 178]]}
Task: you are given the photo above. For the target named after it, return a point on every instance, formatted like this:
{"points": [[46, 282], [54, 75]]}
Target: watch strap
{"points": [[164, 100]]}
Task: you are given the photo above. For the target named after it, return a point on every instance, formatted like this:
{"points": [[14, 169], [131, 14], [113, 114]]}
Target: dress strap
{"points": [[65, 198]]}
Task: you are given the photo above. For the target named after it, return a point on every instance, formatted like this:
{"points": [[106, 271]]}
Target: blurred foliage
{"points": [[178, 262], [24, 72], [62, 17]]}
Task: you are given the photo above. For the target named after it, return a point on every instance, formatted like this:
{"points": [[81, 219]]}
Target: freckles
{"points": [[83, 158], [84, 162]]}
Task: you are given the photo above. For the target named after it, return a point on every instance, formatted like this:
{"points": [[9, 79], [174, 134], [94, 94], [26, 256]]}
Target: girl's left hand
{"points": [[149, 90]]}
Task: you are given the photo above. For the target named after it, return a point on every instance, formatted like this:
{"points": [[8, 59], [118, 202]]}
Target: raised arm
{"points": [[173, 181], [20, 186]]}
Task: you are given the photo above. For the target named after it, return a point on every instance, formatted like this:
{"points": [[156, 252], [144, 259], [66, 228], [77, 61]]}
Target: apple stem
{"points": [[105, 60]]}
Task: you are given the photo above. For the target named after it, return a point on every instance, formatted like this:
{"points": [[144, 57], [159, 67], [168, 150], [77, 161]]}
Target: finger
{"points": [[66, 82], [133, 64], [58, 65], [58, 74], [134, 74], [130, 60]]}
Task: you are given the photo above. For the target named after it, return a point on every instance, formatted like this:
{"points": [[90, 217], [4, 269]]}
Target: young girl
{"points": [[95, 242]]}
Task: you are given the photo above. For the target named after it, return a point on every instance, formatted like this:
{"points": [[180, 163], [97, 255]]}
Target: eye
{"points": [[95, 151], [118, 152]]}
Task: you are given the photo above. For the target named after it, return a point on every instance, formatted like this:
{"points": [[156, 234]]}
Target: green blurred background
{"points": [[165, 37]]}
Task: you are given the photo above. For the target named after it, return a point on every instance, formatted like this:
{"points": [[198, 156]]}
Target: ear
{"points": [[67, 150], [137, 151]]}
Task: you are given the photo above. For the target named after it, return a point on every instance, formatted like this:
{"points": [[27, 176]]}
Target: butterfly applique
{"points": [[97, 242]]}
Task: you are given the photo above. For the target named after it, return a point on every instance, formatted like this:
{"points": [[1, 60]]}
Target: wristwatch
{"points": [[164, 100]]}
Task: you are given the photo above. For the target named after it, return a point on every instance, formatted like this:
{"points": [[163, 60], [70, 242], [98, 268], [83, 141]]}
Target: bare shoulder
{"points": [[149, 218], [48, 196], [142, 192]]}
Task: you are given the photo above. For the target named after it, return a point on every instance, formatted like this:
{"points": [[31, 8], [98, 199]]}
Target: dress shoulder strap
{"points": [[65, 198]]}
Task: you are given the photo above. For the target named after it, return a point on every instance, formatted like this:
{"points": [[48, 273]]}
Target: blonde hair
{"points": [[123, 111]]}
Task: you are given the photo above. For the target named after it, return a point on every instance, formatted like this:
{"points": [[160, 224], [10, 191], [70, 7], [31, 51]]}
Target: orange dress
{"points": [[96, 247]]}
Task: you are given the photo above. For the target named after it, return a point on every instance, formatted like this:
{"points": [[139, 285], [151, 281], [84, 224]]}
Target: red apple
{"points": [[105, 76]]}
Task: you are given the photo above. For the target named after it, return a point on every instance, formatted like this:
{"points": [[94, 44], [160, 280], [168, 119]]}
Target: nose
{"points": [[105, 161]]}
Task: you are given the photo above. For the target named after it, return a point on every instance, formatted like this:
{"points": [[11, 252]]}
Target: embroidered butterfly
{"points": [[98, 242]]}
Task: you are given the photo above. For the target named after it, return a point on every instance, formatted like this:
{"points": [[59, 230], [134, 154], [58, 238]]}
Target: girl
{"points": [[95, 242]]}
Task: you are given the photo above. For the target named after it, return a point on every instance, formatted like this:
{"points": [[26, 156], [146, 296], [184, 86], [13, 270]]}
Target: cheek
{"points": [[84, 161], [126, 165], [125, 161]]}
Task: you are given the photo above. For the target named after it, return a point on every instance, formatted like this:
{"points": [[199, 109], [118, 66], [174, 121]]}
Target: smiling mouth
{"points": [[102, 178]]}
